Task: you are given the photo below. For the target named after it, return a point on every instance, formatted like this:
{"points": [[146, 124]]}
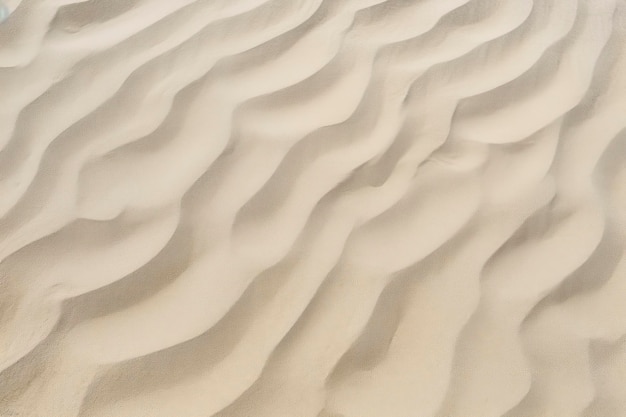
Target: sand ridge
{"points": [[324, 208]]}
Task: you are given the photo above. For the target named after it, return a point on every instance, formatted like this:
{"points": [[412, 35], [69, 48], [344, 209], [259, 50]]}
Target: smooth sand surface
{"points": [[313, 208]]}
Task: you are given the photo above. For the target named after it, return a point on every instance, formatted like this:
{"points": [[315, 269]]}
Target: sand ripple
{"points": [[313, 208]]}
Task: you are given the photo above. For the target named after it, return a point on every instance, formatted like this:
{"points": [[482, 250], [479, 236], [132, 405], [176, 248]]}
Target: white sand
{"points": [[313, 208]]}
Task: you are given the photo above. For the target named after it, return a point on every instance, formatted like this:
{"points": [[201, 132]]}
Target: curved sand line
{"points": [[325, 208]]}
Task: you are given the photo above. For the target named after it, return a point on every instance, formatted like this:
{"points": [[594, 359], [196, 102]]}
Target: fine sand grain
{"points": [[313, 208]]}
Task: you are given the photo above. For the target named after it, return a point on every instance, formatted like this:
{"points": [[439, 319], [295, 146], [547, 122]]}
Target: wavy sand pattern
{"points": [[313, 208]]}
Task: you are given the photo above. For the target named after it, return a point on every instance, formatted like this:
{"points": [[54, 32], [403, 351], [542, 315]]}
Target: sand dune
{"points": [[324, 208]]}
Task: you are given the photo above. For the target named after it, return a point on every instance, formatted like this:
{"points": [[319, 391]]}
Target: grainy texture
{"points": [[313, 208]]}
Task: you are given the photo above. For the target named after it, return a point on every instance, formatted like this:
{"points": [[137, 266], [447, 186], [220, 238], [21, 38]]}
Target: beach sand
{"points": [[313, 208]]}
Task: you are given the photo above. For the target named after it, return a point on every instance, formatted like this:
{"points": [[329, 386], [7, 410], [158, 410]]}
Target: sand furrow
{"points": [[312, 208]]}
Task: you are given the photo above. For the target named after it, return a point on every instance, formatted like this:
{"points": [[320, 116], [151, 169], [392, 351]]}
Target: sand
{"points": [[313, 208]]}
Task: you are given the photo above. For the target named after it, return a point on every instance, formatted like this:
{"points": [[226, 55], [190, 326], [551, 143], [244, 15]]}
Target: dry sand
{"points": [[313, 208]]}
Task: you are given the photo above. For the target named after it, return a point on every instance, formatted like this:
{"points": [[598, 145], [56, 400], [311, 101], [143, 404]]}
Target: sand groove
{"points": [[313, 208]]}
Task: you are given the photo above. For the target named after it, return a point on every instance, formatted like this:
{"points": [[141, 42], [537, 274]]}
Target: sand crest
{"points": [[313, 208]]}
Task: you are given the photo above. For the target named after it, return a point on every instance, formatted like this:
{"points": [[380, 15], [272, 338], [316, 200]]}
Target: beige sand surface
{"points": [[313, 208]]}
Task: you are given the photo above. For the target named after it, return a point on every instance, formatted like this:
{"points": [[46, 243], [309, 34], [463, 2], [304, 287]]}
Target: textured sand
{"points": [[313, 208]]}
